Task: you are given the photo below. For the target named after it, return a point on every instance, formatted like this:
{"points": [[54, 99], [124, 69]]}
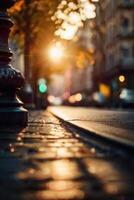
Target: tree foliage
{"points": [[33, 29], [38, 13], [39, 21]]}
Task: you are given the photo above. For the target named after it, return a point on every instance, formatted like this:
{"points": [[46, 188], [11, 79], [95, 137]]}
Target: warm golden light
{"points": [[78, 97], [67, 31], [70, 19], [95, 1], [56, 52], [122, 78], [72, 99], [105, 90]]}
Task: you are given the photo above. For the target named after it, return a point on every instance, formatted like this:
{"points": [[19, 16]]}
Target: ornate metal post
{"points": [[11, 108]]}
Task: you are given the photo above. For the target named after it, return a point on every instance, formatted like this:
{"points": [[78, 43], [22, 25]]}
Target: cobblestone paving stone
{"points": [[47, 161]]}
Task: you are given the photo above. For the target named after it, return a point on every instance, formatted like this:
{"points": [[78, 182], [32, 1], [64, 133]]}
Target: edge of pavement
{"points": [[83, 126]]}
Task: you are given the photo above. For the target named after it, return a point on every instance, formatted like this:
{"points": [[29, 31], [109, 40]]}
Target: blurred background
{"points": [[74, 52]]}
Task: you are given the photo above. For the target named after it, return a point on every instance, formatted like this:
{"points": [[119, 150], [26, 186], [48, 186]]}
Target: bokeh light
{"points": [[122, 78], [71, 16], [56, 52]]}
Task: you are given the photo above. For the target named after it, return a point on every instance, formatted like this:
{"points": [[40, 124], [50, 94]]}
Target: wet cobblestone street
{"points": [[47, 161]]}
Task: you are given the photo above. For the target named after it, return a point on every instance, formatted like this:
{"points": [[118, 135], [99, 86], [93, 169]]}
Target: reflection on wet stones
{"points": [[46, 161]]}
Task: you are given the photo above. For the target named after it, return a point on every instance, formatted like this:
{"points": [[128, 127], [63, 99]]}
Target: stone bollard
{"points": [[11, 108]]}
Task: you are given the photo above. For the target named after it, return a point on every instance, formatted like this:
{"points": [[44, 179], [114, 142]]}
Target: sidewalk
{"points": [[114, 125], [47, 161]]}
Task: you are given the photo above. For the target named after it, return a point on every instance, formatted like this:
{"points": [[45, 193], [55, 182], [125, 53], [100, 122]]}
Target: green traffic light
{"points": [[42, 88]]}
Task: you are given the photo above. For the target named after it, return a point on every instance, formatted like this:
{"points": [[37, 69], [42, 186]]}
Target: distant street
{"points": [[117, 125]]}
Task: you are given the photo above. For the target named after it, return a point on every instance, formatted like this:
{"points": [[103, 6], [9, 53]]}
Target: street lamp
{"points": [[11, 108]]}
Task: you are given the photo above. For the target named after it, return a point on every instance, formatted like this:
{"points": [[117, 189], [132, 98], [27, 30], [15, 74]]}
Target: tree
{"points": [[32, 19], [39, 22], [32, 32]]}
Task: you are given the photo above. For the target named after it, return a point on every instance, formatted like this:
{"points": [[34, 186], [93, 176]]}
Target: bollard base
{"points": [[13, 117], [12, 112]]}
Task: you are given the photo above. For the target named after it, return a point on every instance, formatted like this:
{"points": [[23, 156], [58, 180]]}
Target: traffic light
{"points": [[42, 87]]}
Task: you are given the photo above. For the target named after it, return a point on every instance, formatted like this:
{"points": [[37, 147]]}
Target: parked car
{"points": [[126, 98]]}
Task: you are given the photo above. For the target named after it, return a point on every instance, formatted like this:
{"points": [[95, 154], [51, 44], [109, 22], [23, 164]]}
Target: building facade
{"points": [[114, 41], [81, 75]]}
